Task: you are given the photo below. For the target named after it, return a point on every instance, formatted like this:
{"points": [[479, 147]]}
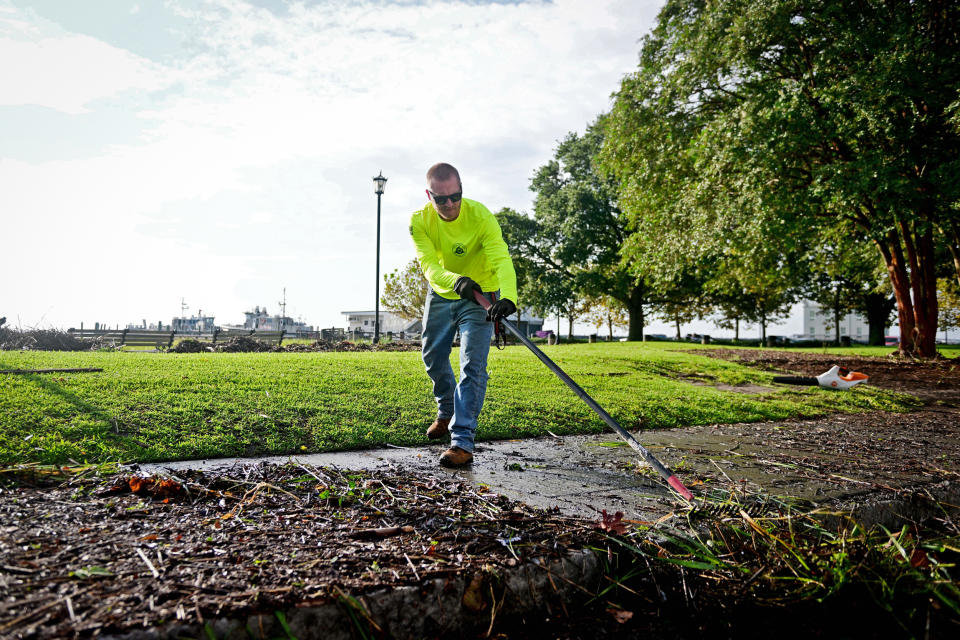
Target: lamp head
{"points": [[379, 182]]}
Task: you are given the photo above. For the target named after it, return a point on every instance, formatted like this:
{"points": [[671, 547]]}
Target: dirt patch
{"points": [[934, 381], [744, 387]]}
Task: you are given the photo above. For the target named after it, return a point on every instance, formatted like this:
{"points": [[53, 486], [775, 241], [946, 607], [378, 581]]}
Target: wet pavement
{"points": [[839, 461]]}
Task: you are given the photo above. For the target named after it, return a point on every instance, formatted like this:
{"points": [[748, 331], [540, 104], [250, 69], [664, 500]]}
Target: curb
{"points": [[434, 608]]}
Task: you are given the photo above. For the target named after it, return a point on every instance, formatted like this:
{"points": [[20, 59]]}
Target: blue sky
{"points": [[220, 151]]}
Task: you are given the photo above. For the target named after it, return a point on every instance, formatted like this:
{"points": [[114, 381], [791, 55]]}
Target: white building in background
{"points": [[818, 324], [365, 321]]}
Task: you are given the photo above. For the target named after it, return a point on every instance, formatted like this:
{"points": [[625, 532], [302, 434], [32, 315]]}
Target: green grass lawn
{"points": [[158, 406]]}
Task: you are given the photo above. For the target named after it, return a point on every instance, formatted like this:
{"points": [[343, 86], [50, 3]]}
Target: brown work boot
{"points": [[455, 457], [438, 429]]}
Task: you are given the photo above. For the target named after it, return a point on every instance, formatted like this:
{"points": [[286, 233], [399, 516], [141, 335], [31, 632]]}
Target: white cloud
{"points": [[346, 77], [257, 157], [46, 67]]}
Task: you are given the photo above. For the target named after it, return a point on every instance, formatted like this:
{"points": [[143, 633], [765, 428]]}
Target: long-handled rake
{"points": [[671, 479]]}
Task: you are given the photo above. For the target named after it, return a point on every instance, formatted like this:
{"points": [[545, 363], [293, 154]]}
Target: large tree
{"points": [[546, 285], [578, 230], [824, 114]]}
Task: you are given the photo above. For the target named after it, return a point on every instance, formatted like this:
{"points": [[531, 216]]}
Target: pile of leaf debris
{"points": [[245, 344], [92, 555], [40, 340]]}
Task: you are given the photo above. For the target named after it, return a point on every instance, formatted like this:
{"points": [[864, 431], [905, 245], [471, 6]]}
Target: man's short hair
{"points": [[442, 171]]}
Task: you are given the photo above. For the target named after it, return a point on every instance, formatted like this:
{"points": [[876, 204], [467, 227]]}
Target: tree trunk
{"points": [[676, 321], [916, 296], [925, 292], [878, 308], [893, 258], [610, 326], [736, 329], [570, 328], [635, 311], [836, 316]]}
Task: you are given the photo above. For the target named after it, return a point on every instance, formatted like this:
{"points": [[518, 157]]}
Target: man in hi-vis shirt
{"points": [[461, 250]]}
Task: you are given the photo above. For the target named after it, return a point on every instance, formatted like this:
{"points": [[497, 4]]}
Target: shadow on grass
{"points": [[81, 406]]}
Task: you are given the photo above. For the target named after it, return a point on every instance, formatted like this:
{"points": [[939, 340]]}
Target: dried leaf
{"points": [[919, 559], [473, 595], [167, 489], [159, 489], [620, 615], [611, 524]]}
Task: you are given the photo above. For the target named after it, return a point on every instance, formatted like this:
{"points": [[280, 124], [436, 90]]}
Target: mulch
{"points": [[89, 555], [931, 380]]}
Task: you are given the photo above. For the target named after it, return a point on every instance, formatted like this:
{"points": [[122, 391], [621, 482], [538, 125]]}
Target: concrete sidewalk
{"points": [[867, 463]]}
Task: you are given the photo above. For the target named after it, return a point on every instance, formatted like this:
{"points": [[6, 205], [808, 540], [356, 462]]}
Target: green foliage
{"points": [[405, 291], [848, 275], [571, 247], [606, 310], [754, 128], [683, 300], [948, 295], [282, 619], [153, 407], [545, 284]]}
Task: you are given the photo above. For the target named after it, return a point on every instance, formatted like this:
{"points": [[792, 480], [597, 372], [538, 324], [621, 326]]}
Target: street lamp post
{"points": [[380, 182]]}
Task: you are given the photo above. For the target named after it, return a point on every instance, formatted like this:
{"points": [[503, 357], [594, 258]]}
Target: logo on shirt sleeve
{"points": [[459, 249]]}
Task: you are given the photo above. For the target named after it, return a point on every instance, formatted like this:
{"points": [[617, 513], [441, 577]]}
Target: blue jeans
{"points": [[460, 402]]}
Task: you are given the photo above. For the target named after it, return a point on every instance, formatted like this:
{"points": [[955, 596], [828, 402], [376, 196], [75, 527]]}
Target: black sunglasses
{"points": [[453, 197]]}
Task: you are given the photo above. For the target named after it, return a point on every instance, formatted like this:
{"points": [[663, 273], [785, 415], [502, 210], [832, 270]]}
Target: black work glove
{"points": [[501, 309], [465, 287]]}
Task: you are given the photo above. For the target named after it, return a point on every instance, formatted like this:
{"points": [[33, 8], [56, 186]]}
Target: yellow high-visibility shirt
{"points": [[472, 246]]}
